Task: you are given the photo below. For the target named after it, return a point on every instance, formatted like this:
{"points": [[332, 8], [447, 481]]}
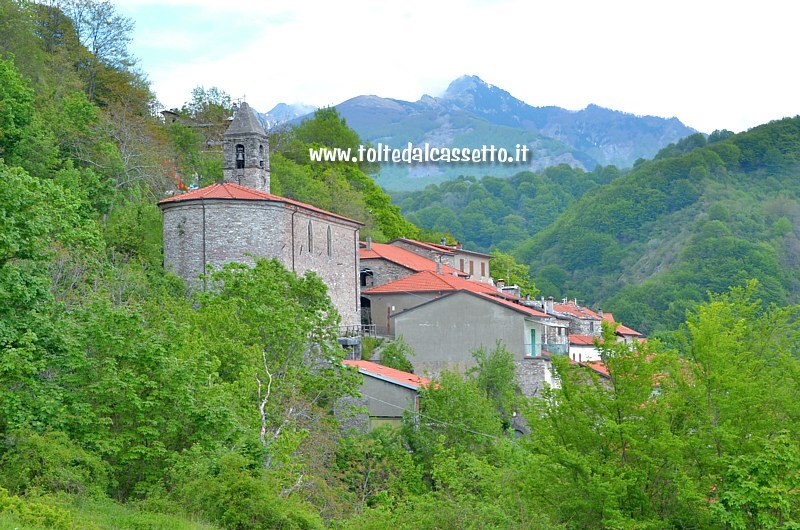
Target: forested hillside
{"points": [[702, 216], [128, 402]]}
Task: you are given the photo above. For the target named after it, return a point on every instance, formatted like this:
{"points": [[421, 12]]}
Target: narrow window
{"points": [[310, 238], [483, 269], [239, 156], [261, 156], [462, 264], [330, 243], [471, 267]]}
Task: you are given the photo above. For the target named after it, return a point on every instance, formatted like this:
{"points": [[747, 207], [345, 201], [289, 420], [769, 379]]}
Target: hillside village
{"points": [[439, 299]]}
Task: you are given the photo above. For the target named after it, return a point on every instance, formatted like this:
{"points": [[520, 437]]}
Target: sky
{"points": [[712, 64]]}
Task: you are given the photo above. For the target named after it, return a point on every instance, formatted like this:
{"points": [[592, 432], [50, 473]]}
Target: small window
{"points": [[483, 268], [330, 243], [471, 267], [261, 156], [239, 156], [462, 264], [310, 237]]}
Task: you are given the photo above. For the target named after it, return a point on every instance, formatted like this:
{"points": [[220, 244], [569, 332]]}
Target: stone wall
{"points": [[447, 258], [384, 271], [533, 374], [214, 232]]}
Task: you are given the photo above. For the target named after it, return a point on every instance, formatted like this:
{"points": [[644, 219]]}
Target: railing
{"points": [[559, 348], [359, 330], [536, 349]]}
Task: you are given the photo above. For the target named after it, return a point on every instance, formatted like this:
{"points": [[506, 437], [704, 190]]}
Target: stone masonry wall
{"points": [[216, 232], [532, 374], [447, 259], [385, 271]]}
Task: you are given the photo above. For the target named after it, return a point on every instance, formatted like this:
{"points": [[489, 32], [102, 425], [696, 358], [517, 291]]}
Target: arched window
{"points": [[330, 243], [310, 237], [261, 156], [239, 156]]}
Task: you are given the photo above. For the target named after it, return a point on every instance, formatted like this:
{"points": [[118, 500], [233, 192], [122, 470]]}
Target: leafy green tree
{"points": [[503, 266]]}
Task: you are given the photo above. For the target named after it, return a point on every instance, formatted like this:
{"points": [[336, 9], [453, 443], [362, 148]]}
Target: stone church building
{"points": [[240, 218]]}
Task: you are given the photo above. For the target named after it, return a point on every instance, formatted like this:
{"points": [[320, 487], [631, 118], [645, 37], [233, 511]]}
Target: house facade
{"points": [[386, 393]]}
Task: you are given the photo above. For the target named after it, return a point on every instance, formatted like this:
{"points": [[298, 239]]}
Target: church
{"points": [[239, 218]]}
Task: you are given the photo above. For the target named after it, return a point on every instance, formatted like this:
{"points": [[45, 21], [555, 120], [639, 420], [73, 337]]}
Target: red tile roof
{"points": [[582, 340], [384, 372], [625, 330], [431, 281], [403, 257], [516, 307], [597, 366], [573, 309], [230, 190], [621, 329]]}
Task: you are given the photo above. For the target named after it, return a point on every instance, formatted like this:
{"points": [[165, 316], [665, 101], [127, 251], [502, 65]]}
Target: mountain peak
{"points": [[465, 84]]}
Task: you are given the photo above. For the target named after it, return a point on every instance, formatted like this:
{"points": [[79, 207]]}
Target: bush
{"points": [[395, 355], [50, 463]]}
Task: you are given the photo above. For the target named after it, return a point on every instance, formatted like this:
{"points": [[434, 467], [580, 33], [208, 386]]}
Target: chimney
{"points": [[549, 305], [599, 312], [500, 284], [439, 266], [369, 243], [444, 241]]}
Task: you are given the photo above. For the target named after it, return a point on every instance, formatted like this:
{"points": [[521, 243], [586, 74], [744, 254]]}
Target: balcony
{"points": [[557, 348]]}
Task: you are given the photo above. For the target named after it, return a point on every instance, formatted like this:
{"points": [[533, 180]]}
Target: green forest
{"points": [[127, 401]]}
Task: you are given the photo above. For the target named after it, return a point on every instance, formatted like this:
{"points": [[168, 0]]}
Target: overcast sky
{"points": [[712, 64]]}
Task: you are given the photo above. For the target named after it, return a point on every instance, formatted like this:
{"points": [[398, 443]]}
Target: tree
{"points": [[503, 266], [104, 33]]}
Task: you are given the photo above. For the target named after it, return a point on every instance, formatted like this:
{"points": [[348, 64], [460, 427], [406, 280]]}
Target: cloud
{"points": [[712, 64]]}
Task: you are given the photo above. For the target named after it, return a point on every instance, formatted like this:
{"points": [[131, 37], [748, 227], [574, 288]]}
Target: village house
{"points": [[471, 264], [386, 393]]}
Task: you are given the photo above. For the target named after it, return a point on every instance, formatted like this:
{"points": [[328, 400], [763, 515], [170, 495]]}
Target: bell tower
{"points": [[246, 151]]}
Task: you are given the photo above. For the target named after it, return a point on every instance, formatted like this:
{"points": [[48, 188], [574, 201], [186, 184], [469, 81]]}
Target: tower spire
{"points": [[246, 151]]}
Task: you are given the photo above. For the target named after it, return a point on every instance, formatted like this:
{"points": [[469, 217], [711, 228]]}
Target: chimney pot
{"points": [[369, 243], [444, 241], [438, 267]]}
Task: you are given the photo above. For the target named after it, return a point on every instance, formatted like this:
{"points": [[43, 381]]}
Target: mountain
{"points": [[283, 113], [472, 113]]}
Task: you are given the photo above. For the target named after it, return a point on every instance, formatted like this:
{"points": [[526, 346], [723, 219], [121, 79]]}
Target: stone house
{"points": [[383, 263], [240, 219], [474, 265], [387, 393]]}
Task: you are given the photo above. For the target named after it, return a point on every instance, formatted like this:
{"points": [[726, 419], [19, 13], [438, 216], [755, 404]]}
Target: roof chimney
{"points": [[549, 305], [500, 284], [369, 243], [599, 312], [438, 267], [444, 241]]}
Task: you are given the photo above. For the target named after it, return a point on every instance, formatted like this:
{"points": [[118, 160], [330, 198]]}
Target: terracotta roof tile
{"points": [[384, 372], [403, 257], [582, 340], [575, 310], [516, 307], [230, 190], [432, 281]]}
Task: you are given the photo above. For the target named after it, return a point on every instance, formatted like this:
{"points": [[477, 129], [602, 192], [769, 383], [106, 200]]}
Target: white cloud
{"points": [[712, 64]]}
